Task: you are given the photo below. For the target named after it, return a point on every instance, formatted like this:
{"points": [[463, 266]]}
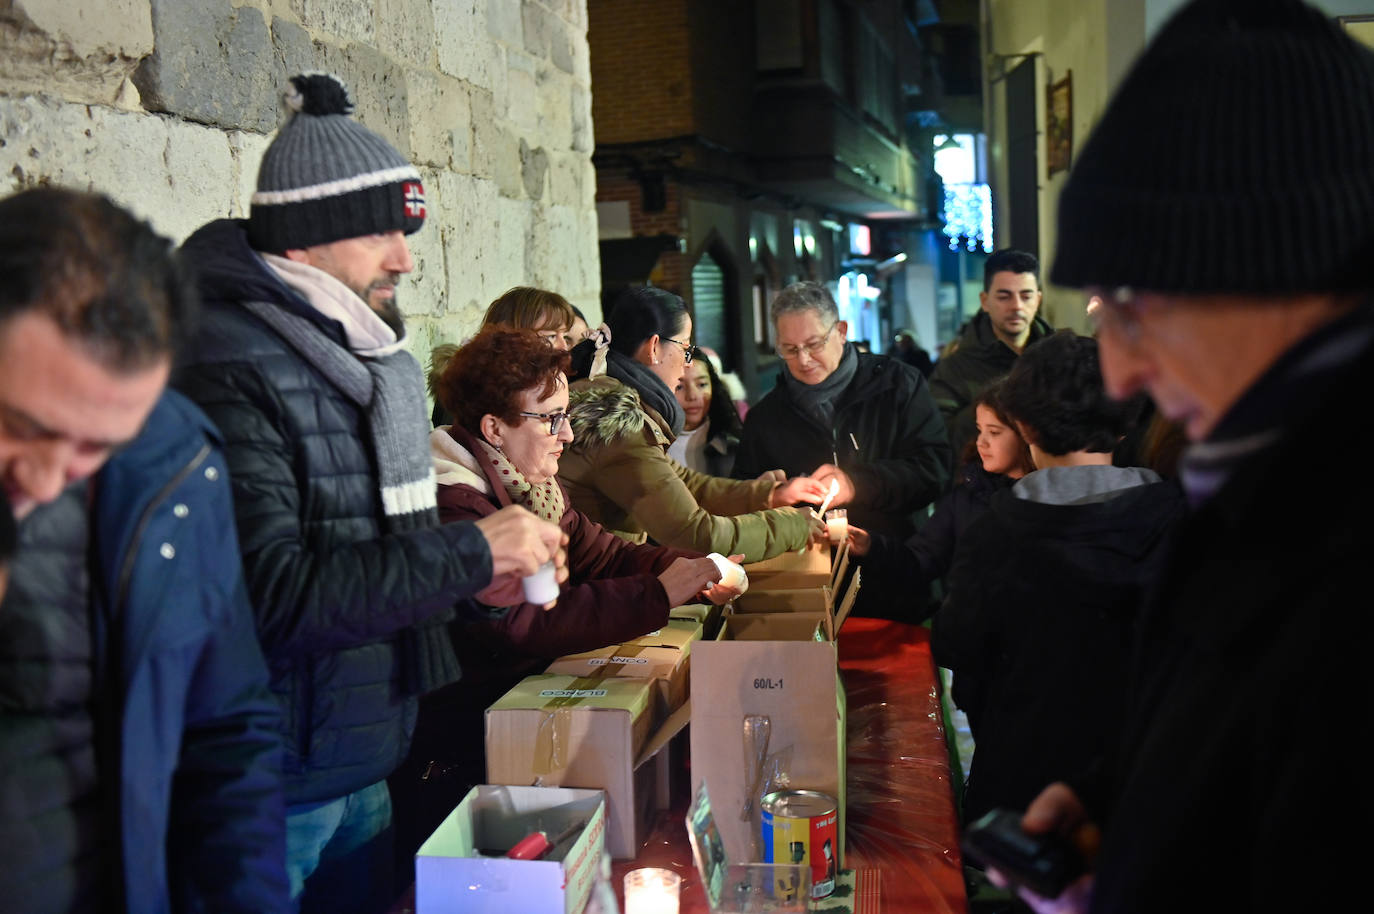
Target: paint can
{"points": [[802, 826]]}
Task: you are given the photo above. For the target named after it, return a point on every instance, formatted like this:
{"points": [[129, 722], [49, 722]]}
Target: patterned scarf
{"points": [[545, 499]]}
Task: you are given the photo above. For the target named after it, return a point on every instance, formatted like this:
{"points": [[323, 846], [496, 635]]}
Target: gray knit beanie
{"points": [[1237, 156], [326, 177]]}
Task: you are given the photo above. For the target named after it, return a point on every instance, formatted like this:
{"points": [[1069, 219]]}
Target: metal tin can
{"points": [[802, 826]]}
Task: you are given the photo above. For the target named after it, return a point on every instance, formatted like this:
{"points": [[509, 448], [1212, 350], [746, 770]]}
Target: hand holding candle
{"points": [[844, 486]]}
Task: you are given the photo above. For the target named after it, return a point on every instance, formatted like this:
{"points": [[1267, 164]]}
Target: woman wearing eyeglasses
{"points": [[508, 394], [509, 397], [625, 416]]}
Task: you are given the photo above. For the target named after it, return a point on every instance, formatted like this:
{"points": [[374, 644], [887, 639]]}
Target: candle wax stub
{"points": [[542, 586]]}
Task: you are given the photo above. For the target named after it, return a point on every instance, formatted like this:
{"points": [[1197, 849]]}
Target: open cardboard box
{"points": [[811, 567], [561, 730], [783, 666], [452, 877], [797, 600]]}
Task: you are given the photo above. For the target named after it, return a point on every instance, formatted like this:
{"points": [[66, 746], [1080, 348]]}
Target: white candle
{"points": [[542, 586], [837, 523], [731, 575], [651, 890]]}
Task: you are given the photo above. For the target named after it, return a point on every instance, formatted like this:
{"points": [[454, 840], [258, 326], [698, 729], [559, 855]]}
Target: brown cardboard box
{"points": [[707, 614], [783, 666], [791, 570], [678, 633], [665, 667], [565, 731], [663, 656]]}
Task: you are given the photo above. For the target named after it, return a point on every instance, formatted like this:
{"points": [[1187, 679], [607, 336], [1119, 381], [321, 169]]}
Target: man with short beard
{"points": [[301, 363]]}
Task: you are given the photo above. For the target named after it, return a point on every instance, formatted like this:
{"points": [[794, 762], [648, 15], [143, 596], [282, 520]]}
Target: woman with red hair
{"points": [[508, 394]]}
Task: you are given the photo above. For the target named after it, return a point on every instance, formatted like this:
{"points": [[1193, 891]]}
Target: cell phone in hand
{"points": [[1045, 863]]}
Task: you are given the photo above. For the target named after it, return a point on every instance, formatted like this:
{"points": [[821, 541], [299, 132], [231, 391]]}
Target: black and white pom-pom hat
{"points": [[325, 177]]}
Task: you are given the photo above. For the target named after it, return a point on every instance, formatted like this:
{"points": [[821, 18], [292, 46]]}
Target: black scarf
{"points": [[817, 401], [650, 387]]}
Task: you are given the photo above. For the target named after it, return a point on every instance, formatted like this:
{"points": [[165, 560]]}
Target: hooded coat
{"points": [[1044, 597], [618, 473]]}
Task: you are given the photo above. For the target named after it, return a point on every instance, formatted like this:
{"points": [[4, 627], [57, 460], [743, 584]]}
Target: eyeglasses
{"points": [[555, 420], [688, 349], [1120, 311], [789, 353]]}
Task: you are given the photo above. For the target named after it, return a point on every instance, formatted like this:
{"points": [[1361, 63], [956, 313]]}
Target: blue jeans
{"points": [[338, 852]]}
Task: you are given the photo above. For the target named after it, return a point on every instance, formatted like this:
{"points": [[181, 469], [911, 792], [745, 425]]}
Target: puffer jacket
{"points": [[333, 593], [960, 376], [617, 472]]}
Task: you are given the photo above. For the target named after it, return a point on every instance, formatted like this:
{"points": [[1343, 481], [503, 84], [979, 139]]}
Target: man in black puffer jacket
{"points": [[300, 364]]}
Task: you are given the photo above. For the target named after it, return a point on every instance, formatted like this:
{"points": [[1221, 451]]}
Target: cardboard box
{"points": [[783, 666], [678, 633], [451, 877], [811, 600], [811, 567], [662, 656], [705, 614], [562, 730], [665, 668]]}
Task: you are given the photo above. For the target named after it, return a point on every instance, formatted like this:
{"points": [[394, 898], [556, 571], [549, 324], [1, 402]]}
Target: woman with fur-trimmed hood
{"points": [[624, 415]]}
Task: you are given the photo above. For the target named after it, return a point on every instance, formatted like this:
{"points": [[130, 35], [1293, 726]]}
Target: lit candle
{"points": [[651, 890], [837, 523]]}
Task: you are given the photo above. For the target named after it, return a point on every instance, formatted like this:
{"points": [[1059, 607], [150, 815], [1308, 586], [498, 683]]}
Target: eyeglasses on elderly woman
{"points": [[555, 420]]}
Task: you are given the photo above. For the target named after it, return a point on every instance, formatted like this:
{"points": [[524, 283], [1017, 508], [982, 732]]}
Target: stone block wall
{"points": [[167, 106]]}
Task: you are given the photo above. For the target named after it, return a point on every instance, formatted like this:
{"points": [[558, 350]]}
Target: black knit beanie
{"points": [[1236, 156], [325, 177]]}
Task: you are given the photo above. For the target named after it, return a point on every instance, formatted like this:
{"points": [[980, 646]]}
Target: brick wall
{"points": [[641, 69]]}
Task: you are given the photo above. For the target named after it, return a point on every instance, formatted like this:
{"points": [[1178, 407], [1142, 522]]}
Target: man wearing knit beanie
{"points": [[1223, 209], [301, 363]]}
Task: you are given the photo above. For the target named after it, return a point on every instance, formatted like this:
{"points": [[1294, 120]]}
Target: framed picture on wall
{"points": [[1059, 125], [1361, 27]]}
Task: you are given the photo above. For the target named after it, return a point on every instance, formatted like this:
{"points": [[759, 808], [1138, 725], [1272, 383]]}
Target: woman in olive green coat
{"points": [[624, 416]]}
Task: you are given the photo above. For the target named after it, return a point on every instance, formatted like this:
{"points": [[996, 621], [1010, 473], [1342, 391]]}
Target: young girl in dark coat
{"points": [[992, 461]]}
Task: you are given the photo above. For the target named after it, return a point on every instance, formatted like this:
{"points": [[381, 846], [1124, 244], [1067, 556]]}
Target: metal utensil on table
{"points": [[757, 729]]}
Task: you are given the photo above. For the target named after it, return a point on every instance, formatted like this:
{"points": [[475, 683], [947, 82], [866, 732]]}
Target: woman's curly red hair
{"points": [[489, 373]]}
